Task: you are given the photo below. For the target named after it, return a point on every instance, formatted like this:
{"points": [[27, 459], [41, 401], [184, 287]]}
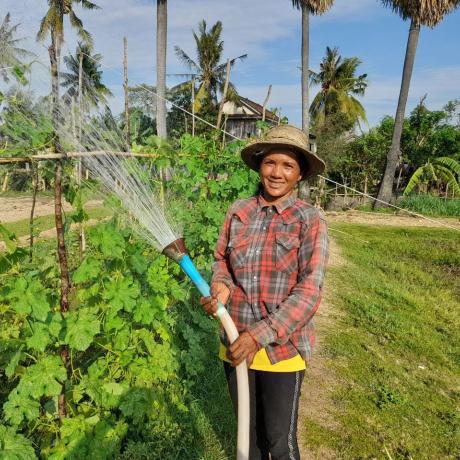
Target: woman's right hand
{"points": [[219, 292]]}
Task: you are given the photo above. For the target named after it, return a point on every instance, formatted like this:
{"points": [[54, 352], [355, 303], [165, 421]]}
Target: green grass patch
{"points": [[431, 205], [21, 227], [396, 345]]}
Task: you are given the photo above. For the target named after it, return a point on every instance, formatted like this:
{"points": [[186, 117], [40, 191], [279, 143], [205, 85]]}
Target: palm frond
{"points": [[415, 180], [185, 58], [449, 163]]}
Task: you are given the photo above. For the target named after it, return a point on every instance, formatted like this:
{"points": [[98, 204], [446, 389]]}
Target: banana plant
{"points": [[442, 170]]}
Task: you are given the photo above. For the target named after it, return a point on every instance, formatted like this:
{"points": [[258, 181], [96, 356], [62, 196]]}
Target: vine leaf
{"points": [[122, 294], [40, 337], [43, 378], [15, 446], [28, 297], [19, 407], [89, 270], [81, 327]]}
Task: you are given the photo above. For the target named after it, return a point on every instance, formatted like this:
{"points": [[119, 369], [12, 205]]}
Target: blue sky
{"points": [[269, 31]]}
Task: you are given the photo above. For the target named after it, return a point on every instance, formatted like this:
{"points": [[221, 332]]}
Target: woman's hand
{"points": [[219, 292], [243, 348]]}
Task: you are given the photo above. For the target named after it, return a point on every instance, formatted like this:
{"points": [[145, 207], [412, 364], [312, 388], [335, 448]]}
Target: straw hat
{"points": [[281, 136]]}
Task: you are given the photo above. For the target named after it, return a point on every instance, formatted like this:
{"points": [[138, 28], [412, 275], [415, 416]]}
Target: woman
{"points": [[270, 261]]}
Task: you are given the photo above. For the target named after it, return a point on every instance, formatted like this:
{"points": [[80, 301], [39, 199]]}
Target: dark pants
{"points": [[274, 409]]}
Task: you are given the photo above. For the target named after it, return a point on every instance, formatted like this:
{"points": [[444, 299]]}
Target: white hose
{"points": [[242, 452]]}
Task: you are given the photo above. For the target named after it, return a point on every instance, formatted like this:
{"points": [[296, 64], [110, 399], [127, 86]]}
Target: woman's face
{"points": [[279, 173]]}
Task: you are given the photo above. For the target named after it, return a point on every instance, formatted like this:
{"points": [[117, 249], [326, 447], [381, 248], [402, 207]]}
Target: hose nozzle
{"points": [[175, 250]]}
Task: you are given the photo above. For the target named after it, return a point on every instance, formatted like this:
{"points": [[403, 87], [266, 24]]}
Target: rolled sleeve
{"points": [[304, 299]]}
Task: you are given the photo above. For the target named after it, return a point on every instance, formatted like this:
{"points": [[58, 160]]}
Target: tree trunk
{"points": [[386, 187], [125, 87], [305, 69], [304, 187], [193, 106], [162, 25], [61, 248], [224, 94]]}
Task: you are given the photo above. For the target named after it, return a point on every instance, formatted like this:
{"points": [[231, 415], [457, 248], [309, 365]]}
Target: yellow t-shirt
{"points": [[262, 362]]}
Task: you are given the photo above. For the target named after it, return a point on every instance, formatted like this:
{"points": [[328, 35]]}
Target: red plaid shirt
{"points": [[273, 259]]}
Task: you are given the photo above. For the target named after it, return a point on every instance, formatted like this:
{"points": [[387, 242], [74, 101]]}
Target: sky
{"points": [[269, 31]]}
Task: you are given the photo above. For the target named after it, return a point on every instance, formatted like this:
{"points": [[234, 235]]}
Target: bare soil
{"points": [[13, 209]]}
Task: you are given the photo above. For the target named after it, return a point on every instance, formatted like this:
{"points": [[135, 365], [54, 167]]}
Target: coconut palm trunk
{"points": [[162, 25], [393, 157], [305, 68]]}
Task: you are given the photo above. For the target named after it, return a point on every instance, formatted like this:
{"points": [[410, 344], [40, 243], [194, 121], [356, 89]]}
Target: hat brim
{"points": [[253, 153]]}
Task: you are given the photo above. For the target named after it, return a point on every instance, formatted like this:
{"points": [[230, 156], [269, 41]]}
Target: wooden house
{"points": [[241, 120]]}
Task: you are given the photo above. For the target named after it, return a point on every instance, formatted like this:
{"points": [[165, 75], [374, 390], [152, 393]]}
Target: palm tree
{"points": [[94, 92], [162, 30], [53, 23], [428, 13], [339, 85], [308, 7], [442, 170], [11, 55], [210, 72]]}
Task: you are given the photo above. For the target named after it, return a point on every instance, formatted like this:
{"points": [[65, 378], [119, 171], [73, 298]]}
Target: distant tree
{"points": [[94, 92], [308, 7], [208, 68], [11, 55], [426, 13], [339, 84], [143, 97]]}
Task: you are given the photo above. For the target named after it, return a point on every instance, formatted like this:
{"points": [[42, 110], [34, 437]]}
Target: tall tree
{"points": [[308, 7], [339, 84], [421, 13], [11, 55], [53, 23], [210, 72], [94, 92], [162, 30]]}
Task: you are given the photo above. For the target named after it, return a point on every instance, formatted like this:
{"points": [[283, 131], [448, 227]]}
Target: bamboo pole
{"points": [[59, 156], [193, 106]]}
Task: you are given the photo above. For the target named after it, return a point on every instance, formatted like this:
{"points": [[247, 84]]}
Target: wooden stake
{"points": [[224, 95], [264, 108], [193, 106]]}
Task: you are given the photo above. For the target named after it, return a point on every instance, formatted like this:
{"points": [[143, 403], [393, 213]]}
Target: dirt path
{"points": [[395, 220], [13, 209], [315, 403]]}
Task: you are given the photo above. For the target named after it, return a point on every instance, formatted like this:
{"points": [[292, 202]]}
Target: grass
{"points": [[21, 227], [431, 205], [395, 350]]}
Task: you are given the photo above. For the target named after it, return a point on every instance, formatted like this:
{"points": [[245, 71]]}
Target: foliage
{"points": [[441, 171], [94, 92], [11, 55], [143, 356], [339, 84], [430, 205], [207, 69], [394, 351]]}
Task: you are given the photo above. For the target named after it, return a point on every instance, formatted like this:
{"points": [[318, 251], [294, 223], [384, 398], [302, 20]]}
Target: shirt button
{"points": [[257, 252], [264, 228], [255, 277]]}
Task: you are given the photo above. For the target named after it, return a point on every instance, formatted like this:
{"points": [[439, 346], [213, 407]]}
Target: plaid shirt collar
{"points": [[285, 209]]}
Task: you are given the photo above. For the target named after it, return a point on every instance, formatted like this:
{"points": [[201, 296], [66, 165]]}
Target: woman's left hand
{"points": [[244, 347]]}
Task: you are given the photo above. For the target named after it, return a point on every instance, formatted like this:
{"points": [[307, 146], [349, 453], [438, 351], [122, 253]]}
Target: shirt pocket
{"points": [[237, 251], [286, 249]]}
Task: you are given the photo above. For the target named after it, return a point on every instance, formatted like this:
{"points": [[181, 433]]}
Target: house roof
{"points": [[248, 109]]}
